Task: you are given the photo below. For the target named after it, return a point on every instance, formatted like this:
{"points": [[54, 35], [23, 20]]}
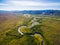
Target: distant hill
{"points": [[42, 12]]}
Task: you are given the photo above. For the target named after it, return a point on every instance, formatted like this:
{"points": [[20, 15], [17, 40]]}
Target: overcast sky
{"points": [[29, 4]]}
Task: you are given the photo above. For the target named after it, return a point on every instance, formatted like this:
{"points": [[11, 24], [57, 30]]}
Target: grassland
{"points": [[49, 28]]}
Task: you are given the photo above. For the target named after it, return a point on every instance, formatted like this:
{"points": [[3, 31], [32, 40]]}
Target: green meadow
{"points": [[48, 28]]}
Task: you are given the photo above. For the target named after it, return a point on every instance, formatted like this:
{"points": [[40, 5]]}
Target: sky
{"points": [[29, 4]]}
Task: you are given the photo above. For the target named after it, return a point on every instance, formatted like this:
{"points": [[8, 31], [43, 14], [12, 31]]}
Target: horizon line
{"points": [[27, 10]]}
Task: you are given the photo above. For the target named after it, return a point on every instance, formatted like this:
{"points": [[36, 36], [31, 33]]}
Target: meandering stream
{"points": [[19, 30]]}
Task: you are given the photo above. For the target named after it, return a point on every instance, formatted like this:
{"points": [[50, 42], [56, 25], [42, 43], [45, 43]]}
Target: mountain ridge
{"points": [[42, 12]]}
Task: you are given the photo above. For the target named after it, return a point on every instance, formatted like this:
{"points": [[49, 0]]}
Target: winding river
{"points": [[19, 30]]}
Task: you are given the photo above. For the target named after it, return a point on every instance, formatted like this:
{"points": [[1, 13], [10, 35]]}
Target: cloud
{"points": [[28, 5], [32, 3], [24, 3]]}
